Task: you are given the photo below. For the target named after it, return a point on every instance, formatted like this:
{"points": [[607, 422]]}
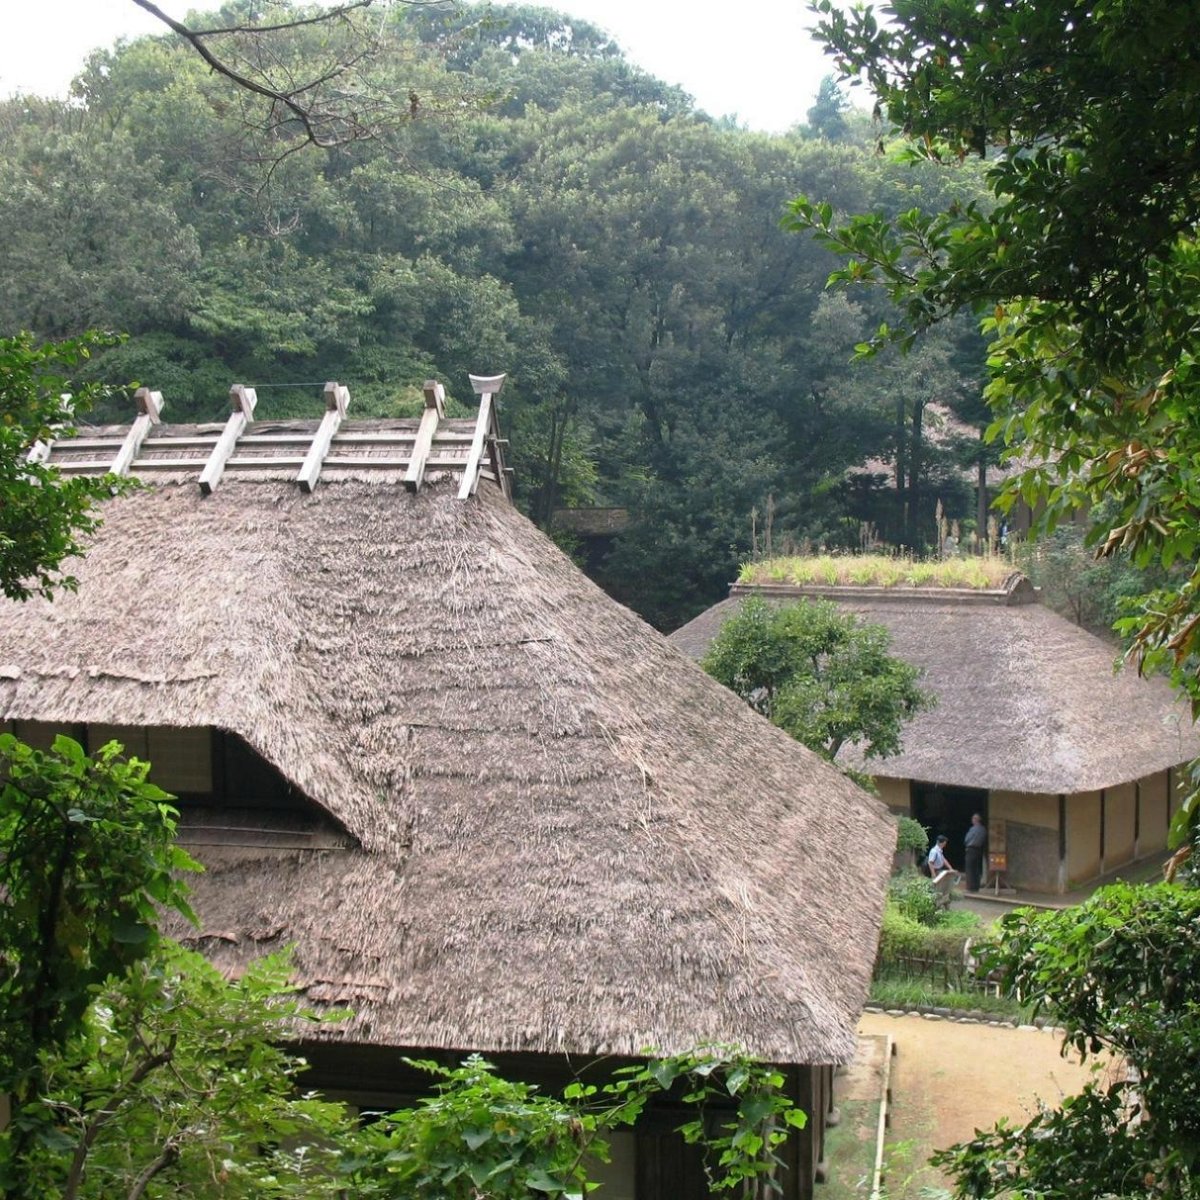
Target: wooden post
{"points": [[149, 405], [337, 401], [435, 410], [486, 387], [243, 401]]}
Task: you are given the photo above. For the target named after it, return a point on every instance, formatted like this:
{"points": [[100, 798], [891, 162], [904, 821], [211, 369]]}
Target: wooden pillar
{"points": [[804, 1150], [1063, 874], [1103, 822], [1137, 819]]}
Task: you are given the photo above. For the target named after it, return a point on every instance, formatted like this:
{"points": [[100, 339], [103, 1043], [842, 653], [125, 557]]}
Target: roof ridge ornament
{"points": [[487, 430], [337, 401], [149, 406], [243, 400], [300, 450], [435, 411]]}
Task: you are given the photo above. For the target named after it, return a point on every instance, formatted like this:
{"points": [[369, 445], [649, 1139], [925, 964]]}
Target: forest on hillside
{"points": [[535, 205]]}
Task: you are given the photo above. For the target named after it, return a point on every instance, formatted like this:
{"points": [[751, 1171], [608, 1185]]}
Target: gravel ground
{"points": [[950, 1079]]}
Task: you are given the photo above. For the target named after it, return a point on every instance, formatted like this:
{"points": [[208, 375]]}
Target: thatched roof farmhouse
{"points": [[1073, 767], [491, 809]]}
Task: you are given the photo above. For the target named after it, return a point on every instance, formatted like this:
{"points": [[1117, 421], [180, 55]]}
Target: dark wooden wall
{"points": [[666, 1168]]}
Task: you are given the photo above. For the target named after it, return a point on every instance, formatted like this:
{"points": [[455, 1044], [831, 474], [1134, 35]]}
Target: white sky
{"points": [[752, 58]]}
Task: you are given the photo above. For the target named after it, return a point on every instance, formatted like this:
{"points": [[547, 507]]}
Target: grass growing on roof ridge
{"points": [[878, 570]]}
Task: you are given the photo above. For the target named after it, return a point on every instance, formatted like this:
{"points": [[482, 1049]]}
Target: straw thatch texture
{"points": [[1027, 701], [571, 839]]}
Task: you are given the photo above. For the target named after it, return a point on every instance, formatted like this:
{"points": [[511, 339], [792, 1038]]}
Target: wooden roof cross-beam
{"points": [[486, 387], [243, 401], [149, 406], [435, 411], [337, 401]]}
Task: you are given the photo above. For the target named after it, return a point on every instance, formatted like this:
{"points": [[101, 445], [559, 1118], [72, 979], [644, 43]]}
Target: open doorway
{"points": [[944, 809]]}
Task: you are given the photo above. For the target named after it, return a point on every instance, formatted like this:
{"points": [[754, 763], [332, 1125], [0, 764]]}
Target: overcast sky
{"points": [[752, 58]]}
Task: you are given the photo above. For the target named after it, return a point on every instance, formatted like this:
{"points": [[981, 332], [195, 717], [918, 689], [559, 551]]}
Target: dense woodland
{"points": [[535, 204]]}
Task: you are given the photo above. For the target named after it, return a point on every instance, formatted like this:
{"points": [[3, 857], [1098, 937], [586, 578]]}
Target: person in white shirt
{"points": [[938, 862], [943, 874]]}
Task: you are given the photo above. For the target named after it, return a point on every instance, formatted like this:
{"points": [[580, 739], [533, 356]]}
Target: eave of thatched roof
{"points": [[569, 837], [1027, 701]]}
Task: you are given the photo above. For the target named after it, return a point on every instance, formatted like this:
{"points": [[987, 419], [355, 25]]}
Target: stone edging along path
{"points": [[961, 1016]]}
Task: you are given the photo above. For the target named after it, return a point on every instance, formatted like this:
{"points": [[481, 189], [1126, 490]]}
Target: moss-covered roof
{"points": [[879, 570]]}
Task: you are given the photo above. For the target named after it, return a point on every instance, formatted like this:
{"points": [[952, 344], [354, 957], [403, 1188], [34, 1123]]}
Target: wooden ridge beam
{"points": [[243, 401], [337, 400], [149, 405], [486, 387], [435, 411]]}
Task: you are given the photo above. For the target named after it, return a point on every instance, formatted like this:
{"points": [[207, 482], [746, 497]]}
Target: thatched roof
{"points": [[565, 836], [1027, 701]]}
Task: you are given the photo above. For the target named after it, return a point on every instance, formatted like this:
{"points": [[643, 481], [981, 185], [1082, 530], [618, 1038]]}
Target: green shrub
{"points": [[961, 920], [907, 943], [900, 935], [914, 896], [911, 835]]}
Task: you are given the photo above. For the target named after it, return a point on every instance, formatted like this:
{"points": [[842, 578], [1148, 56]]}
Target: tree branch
{"points": [[332, 101], [105, 1114], [196, 41], [170, 1153], [329, 14]]}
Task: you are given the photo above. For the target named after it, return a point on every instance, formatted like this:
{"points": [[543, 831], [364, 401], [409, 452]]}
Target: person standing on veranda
{"points": [[974, 845]]}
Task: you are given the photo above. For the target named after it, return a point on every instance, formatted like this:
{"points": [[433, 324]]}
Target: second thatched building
{"points": [[1074, 767]]}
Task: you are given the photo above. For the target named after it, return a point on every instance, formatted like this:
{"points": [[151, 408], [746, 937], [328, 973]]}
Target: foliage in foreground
{"points": [[819, 674], [1120, 974], [174, 1085], [86, 855], [42, 515], [179, 1082], [483, 1135]]}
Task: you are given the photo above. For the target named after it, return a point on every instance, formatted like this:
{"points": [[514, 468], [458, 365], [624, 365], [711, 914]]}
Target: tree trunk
{"points": [[912, 511], [981, 499]]}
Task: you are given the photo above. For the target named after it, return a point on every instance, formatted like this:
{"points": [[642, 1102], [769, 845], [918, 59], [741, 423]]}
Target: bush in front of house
{"points": [[904, 937], [920, 941], [911, 836], [914, 896]]}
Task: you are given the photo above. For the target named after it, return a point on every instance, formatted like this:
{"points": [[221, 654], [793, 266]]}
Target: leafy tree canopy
{"points": [[819, 674], [1087, 113], [548, 210]]}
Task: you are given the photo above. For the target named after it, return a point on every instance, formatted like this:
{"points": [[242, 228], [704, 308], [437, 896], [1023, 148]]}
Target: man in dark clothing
{"points": [[973, 847]]}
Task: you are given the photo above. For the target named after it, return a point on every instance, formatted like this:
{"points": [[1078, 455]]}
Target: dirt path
{"points": [[948, 1080]]}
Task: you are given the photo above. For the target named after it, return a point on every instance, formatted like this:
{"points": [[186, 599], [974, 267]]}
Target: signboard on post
{"points": [[997, 858]]}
